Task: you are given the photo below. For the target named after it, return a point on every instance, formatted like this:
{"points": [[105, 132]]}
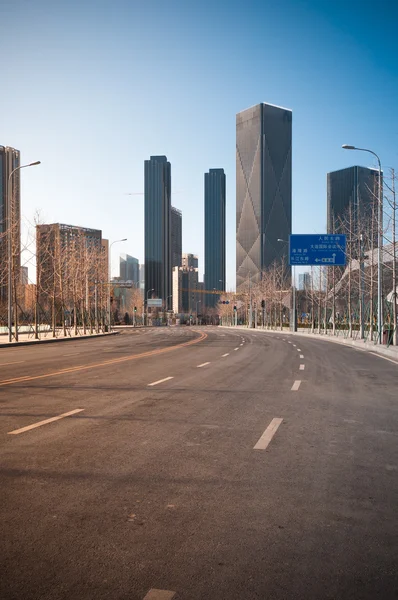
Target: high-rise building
{"points": [[190, 261], [176, 237], [129, 269], [304, 281], [185, 290], [10, 220], [61, 249], [352, 195], [24, 275], [263, 189], [215, 198], [158, 269]]}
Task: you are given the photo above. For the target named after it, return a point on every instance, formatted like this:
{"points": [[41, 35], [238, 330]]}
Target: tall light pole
{"points": [[197, 302], [294, 319], [379, 245], [110, 277], [9, 244], [147, 296]]}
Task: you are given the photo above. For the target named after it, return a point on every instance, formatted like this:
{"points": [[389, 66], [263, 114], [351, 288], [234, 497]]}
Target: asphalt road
{"points": [[259, 466]]}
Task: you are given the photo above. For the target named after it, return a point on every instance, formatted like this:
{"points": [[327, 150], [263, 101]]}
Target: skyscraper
{"points": [[304, 281], [9, 160], [352, 195], [263, 188], [176, 237], [215, 192], [129, 269], [158, 269]]}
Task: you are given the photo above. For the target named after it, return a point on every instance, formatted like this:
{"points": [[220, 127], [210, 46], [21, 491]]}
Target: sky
{"points": [[92, 88]]}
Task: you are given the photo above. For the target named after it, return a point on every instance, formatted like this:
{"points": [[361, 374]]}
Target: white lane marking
{"points": [[236, 348], [268, 434], [227, 354], [283, 339], [203, 365], [296, 386], [17, 362], [160, 381], [294, 345], [40, 423], [301, 355], [298, 349], [241, 344], [302, 367], [159, 595], [289, 342], [74, 354]]}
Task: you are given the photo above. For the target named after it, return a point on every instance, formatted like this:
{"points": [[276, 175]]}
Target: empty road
{"points": [[198, 464]]}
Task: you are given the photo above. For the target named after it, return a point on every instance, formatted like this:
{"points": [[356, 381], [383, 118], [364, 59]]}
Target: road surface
{"points": [[198, 463]]}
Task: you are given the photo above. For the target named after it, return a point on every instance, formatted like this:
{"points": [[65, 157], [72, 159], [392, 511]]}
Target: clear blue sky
{"points": [[92, 88]]}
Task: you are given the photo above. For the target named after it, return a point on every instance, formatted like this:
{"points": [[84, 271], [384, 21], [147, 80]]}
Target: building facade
{"points": [[190, 261], [158, 259], [304, 281], [176, 237], [352, 196], [215, 260], [263, 189], [10, 220], [129, 269]]}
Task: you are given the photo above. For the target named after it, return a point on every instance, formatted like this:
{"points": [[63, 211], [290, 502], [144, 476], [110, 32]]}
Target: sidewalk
{"points": [[391, 352], [27, 339]]}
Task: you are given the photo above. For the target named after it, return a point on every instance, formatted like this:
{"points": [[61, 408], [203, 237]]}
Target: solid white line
{"points": [[301, 355], [227, 354], [296, 386], [236, 348], [203, 365], [268, 434], [40, 423], [381, 356], [17, 362], [302, 367], [159, 595], [74, 354], [160, 381]]}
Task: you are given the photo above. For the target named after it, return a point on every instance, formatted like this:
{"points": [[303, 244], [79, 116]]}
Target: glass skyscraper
{"points": [[158, 263], [215, 196], [9, 160], [176, 237], [263, 188], [129, 269], [352, 194]]}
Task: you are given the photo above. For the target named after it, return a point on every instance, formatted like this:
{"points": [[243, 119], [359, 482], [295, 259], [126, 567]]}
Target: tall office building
{"points": [[9, 160], [263, 189], [129, 269], [190, 261], [304, 281], [176, 237], [158, 263], [352, 193], [215, 197]]}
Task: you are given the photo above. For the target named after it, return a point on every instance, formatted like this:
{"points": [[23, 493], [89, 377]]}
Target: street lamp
{"points": [[110, 268], [294, 319], [9, 244], [147, 296], [197, 302], [379, 244]]}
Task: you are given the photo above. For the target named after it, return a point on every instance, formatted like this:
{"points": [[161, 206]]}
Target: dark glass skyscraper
{"points": [[263, 188], [214, 276], [129, 268], [176, 237], [352, 193], [9, 160], [158, 269]]}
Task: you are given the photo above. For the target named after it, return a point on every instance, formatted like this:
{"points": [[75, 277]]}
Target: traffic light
{"points": [[135, 309], [235, 308], [262, 303]]}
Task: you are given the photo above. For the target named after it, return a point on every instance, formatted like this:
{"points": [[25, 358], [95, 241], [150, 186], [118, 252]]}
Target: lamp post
{"points": [[110, 268], [197, 302], [379, 244], [147, 296], [9, 243], [294, 319]]}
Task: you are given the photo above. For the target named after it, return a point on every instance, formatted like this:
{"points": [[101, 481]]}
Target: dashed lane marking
{"points": [[236, 349], [227, 354], [296, 386], [203, 365], [17, 362], [301, 355], [302, 367], [40, 423], [268, 434], [159, 595], [160, 381]]}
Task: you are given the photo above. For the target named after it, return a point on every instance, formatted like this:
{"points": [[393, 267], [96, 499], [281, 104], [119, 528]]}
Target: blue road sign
{"points": [[325, 250]]}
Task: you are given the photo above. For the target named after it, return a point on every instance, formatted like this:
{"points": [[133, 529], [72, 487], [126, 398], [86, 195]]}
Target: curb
{"points": [[53, 340], [358, 345]]}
